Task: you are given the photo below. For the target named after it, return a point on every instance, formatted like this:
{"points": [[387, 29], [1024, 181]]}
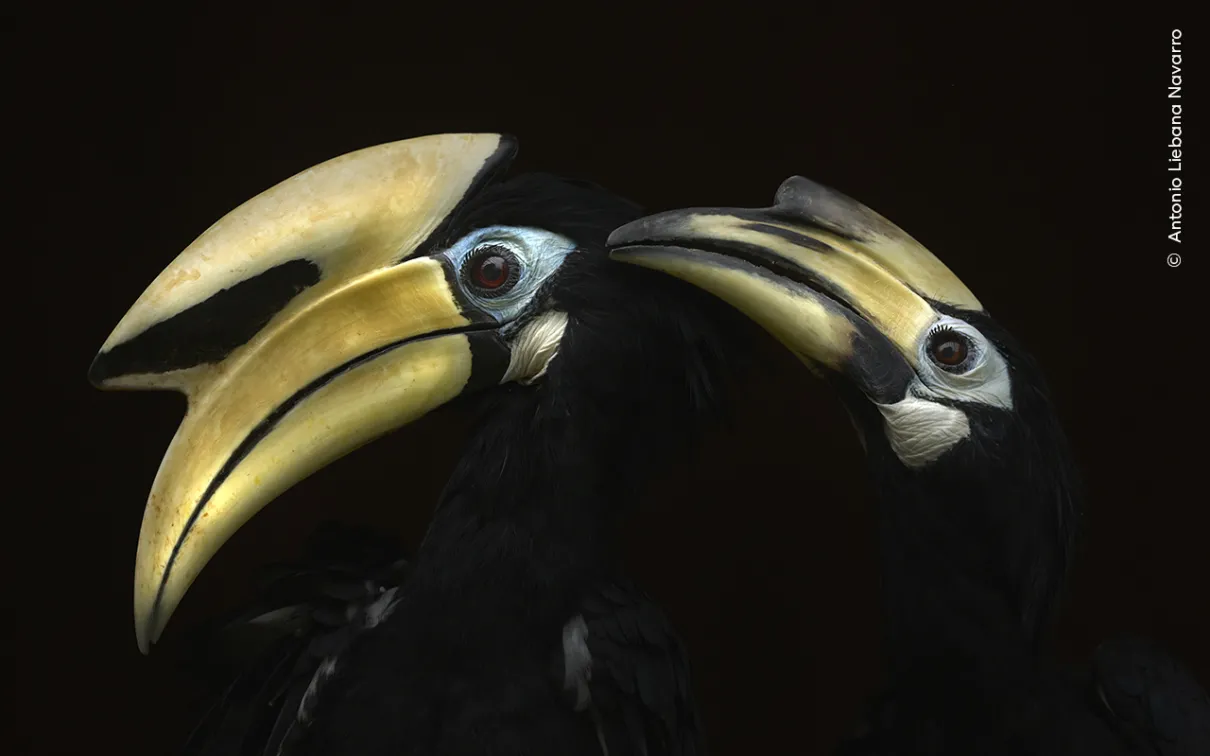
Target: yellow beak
{"points": [[838, 284], [302, 325]]}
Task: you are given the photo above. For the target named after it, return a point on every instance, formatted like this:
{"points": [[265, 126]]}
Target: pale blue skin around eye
{"points": [[539, 253]]}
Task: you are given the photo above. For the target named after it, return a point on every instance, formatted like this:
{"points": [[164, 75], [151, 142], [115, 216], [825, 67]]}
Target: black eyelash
{"points": [[937, 328]]}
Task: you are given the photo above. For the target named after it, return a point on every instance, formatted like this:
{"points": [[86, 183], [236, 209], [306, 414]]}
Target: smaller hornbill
{"points": [[348, 301], [978, 491]]}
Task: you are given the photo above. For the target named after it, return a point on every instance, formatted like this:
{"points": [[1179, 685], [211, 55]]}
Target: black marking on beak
{"points": [[751, 253], [210, 330]]}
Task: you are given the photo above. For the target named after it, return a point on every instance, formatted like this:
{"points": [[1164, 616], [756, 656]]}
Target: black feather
{"points": [[641, 680], [1151, 697], [270, 663]]}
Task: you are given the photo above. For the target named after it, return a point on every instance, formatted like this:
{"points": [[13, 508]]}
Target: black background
{"points": [[1026, 149]]}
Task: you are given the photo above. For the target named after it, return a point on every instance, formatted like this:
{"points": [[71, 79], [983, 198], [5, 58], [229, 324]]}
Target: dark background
{"points": [[1026, 149]]}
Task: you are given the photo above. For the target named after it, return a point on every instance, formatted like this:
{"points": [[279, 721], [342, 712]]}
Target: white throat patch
{"points": [[921, 430], [535, 346]]}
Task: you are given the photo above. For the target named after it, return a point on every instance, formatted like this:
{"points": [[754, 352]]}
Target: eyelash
{"points": [[974, 353], [941, 328]]}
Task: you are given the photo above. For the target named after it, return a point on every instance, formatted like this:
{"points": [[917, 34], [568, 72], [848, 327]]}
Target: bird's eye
{"points": [[949, 349], [491, 270]]}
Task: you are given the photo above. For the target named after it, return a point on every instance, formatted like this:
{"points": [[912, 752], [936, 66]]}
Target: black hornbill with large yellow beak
{"points": [[978, 492], [348, 301]]}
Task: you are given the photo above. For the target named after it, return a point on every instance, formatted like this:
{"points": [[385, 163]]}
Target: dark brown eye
{"points": [[491, 270], [949, 349]]}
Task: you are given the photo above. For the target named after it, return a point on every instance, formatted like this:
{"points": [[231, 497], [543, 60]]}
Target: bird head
{"points": [[954, 415]]}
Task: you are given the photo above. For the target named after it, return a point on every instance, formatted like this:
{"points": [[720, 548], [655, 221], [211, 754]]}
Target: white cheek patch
{"points": [[535, 346], [921, 430]]}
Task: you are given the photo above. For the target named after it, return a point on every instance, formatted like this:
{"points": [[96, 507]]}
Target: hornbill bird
{"points": [[344, 303], [977, 489]]}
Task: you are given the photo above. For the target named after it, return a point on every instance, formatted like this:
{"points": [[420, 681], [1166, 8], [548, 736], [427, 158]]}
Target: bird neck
{"points": [[535, 500], [966, 670], [527, 506], [947, 614], [967, 579], [974, 546], [532, 506]]}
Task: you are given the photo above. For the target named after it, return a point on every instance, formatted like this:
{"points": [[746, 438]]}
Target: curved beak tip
{"points": [[620, 236], [98, 371], [147, 631], [142, 637], [646, 230]]}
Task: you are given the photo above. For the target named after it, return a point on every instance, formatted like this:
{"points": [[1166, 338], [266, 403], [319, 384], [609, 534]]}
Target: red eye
{"points": [[491, 270]]}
